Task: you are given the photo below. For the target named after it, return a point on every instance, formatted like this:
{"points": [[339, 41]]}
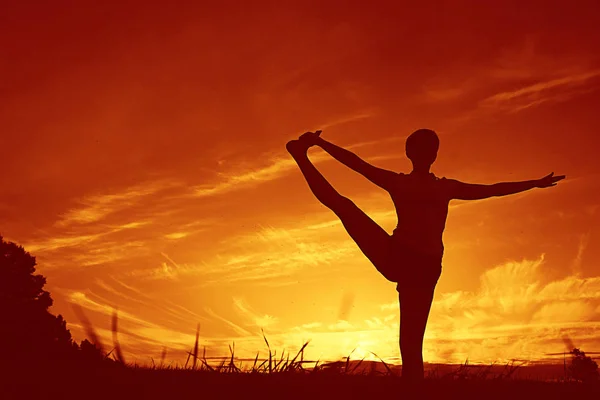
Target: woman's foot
{"points": [[296, 147]]}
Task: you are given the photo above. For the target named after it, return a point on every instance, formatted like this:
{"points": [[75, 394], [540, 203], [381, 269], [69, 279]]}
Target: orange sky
{"points": [[145, 168]]}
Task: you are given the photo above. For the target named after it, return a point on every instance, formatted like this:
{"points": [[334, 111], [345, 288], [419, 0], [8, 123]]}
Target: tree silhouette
{"points": [[583, 368], [28, 331]]}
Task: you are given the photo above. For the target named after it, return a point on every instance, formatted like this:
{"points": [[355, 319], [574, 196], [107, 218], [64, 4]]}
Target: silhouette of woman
{"points": [[412, 255]]}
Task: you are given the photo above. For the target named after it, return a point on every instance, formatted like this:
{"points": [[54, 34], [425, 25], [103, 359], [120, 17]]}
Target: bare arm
{"points": [[468, 191], [379, 176]]}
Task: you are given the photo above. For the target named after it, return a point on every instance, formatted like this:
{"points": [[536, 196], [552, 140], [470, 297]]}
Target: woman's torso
{"points": [[422, 207]]}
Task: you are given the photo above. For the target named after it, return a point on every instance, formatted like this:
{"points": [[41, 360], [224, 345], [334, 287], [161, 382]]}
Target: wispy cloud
{"points": [[55, 243], [260, 320], [443, 94], [94, 243], [583, 243], [108, 252], [347, 119], [185, 230], [281, 253], [277, 253], [559, 89], [274, 170], [103, 306], [177, 235], [97, 207], [238, 329], [135, 331], [133, 295]]}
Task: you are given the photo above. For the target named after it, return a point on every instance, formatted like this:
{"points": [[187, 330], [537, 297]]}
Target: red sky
{"points": [[145, 168]]}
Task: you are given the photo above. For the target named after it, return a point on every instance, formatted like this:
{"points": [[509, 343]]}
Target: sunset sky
{"points": [[144, 165]]}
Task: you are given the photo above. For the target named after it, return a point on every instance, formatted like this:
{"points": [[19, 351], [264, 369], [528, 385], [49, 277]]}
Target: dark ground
{"points": [[118, 382]]}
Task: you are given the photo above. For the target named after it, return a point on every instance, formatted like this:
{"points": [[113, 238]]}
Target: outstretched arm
{"points": [[468, 191], [379, 176]]}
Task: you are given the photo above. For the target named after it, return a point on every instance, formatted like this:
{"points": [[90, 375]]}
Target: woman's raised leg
{"points": [[372, 240]]}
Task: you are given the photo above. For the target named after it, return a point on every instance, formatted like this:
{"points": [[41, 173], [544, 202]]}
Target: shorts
{"points": [[411, 269]]}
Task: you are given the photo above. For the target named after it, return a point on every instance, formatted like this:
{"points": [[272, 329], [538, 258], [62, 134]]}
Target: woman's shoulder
{"points": [[441, 179]]}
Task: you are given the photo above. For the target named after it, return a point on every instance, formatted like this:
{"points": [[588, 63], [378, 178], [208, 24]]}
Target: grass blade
{"points": [[196, 347], [114, 329]]}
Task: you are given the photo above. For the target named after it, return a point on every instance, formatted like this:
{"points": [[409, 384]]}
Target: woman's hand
{"points": [[311, 138], [549, 180]]}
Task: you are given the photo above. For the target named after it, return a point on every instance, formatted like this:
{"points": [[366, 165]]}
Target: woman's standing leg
{"points": [[415, 303]]}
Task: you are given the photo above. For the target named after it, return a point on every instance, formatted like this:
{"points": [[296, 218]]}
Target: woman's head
{"points": [[422, 146]]}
